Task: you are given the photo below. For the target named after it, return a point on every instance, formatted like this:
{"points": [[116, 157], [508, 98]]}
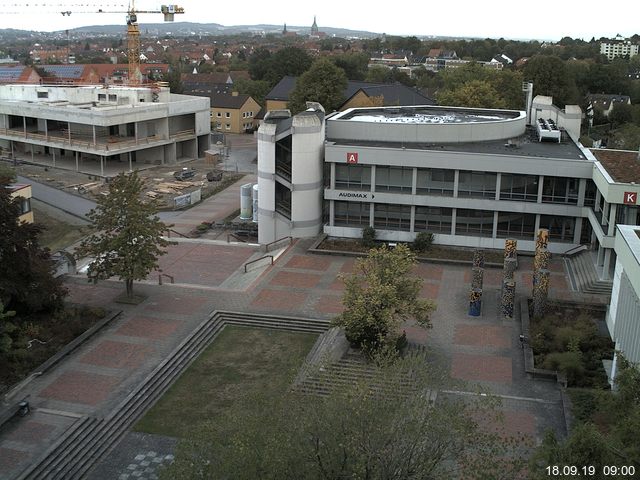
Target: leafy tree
{"points": [[174, 78], [355, 65], [422, 242], [379, 428], [6, 328], [258, 89], [379, 296], [475, 94], [368, 237], [621, 113], [27, 283], [126, 238], [259, 63], [379, 74], [287, 61], [550, 77], [324, 83]]}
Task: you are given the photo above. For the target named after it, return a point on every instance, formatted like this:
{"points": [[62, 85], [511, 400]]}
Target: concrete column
{"points": [[606, 265], [600, 258], [606, 208], [414, 186], [536, 226], [577, 233], [77, 169], [31, 145], [582, 188], [540, 186], [93, 128], [12, 154], [69, 131], [456, 182], [612, 219], [332, 211], [412, 226], [46, 130], [130, 169], [135, 131], [494, 231], [53, 152], [371, 214], [101, 166], [373, 179], [596, 207], [454, 212], [332, 178], [24, 126], [632, 215], [498, 185]]}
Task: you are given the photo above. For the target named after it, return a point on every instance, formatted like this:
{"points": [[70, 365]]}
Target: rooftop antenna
{"points": [[527, 87]]}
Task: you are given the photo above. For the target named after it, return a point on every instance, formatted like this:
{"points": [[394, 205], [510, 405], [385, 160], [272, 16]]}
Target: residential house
{"points": [[18, 74], [233, 113], [619, 47], [604, 103]]}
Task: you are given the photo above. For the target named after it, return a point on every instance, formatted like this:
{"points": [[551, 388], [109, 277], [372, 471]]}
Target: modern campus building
{"points": [[102, 130], [473, 177], [623, 316], [22, 192]]}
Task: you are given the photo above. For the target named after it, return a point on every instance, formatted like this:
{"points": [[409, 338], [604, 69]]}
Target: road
{"points": [[65, 201]]}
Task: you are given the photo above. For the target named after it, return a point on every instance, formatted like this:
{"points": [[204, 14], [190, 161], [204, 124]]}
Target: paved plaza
{"points": [[481, 351]]}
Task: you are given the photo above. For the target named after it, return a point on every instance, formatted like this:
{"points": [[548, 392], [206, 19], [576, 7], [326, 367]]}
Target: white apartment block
{"points": [[618, 48]]}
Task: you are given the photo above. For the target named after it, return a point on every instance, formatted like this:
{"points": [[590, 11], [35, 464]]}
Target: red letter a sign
{"points": [[352, 157]]}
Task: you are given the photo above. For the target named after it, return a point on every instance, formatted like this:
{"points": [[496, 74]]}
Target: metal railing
{"points": [[266, 247], [236, 237], [170, 277], [257, 260], [112, 143], [171, 230]]}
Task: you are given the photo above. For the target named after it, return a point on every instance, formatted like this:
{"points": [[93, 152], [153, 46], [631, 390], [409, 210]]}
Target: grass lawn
{"points": [[238, 361], [57, 234]]}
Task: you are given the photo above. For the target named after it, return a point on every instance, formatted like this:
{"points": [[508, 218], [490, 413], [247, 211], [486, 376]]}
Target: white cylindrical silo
{"points": [[246, 207], [254, 196]]}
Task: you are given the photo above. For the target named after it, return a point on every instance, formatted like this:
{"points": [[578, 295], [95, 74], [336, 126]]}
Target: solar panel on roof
{"points": [[64, 71], [10, 73]]}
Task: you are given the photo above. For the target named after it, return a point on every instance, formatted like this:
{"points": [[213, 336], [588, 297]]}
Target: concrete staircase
{"points": [[90, 439], [583, 275]]}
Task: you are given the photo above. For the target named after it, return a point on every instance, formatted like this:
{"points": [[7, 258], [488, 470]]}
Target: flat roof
{"points": [[426, 115], [622, 165], [526, 145]]}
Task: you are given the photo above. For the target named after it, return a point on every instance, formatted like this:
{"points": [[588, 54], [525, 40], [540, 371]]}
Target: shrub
{"points": [[423, 242], [569, 363], [203, 227], [369, 237]]}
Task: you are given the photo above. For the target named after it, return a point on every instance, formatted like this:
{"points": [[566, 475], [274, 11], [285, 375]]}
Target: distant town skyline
{"points": [[464, 18]]}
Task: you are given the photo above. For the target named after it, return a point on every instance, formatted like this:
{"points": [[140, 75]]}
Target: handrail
{"points": [[575, 250], [170, 277], [169, 230], [236, 237], [257, 259], [266, 247]]}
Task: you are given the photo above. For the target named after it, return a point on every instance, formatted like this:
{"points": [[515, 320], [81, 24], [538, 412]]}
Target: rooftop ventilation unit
{"points": [[548, 130]]}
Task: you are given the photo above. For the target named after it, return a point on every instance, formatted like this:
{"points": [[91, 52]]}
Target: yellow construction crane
{"points": [[133, 32]]}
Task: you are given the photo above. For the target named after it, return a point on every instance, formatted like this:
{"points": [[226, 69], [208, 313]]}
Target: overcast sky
{"points": [[546, 20]]}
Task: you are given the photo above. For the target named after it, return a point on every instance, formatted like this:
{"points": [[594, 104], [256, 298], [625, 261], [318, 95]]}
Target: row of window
{"points": [[227, 126], [476, 223], [228, 114], [434, 181]]}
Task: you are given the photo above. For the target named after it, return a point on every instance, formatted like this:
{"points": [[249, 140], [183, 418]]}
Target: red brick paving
{"points": [[295, 279], [81, 387], [428, 271], [30, 432], [492, 277], [279, 299], [9, 458], [483, 336], [488, 368], [416, 334], [330, 304], [308, 263], [430, 290], [176, 303], [116, 355], [348, 265], [337, 285], [148, 327], [508, 424]]}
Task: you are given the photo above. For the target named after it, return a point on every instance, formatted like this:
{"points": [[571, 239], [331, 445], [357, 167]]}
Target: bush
{"points": [[369, 237], [423, 242], [203, 227], [569, 363]]}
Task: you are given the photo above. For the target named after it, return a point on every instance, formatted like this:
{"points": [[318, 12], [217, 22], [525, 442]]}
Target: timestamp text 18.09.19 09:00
{"points": [[586, 471]]}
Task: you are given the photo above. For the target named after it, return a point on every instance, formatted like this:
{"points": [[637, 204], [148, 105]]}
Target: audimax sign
{"points": [[360, 195]]}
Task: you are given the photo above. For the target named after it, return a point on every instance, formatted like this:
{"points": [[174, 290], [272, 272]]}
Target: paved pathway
{"points": [[95, 378]]}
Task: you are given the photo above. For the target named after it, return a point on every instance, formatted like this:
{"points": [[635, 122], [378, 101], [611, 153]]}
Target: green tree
{"points": [[379, 428], [324, 83], [379, 296], [258, 89], [355, 65], [6, 328], [474, 94], [621, 113], [27, 283], [287, 61], [550, 76], [379, 74], [126, 238]]}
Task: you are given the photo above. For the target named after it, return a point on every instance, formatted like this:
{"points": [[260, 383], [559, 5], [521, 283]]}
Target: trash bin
{"points": [[23, 408]]}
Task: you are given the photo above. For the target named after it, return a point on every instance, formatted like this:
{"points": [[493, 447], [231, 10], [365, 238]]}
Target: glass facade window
{"points": [[560, 190], [435, 181], [560, 228], [351, 214], [394, 179], [353, 177], [590, 194], [519, 187], [392, 217], [477, 184], [476, 223], [516, 225], [433, 219]]}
